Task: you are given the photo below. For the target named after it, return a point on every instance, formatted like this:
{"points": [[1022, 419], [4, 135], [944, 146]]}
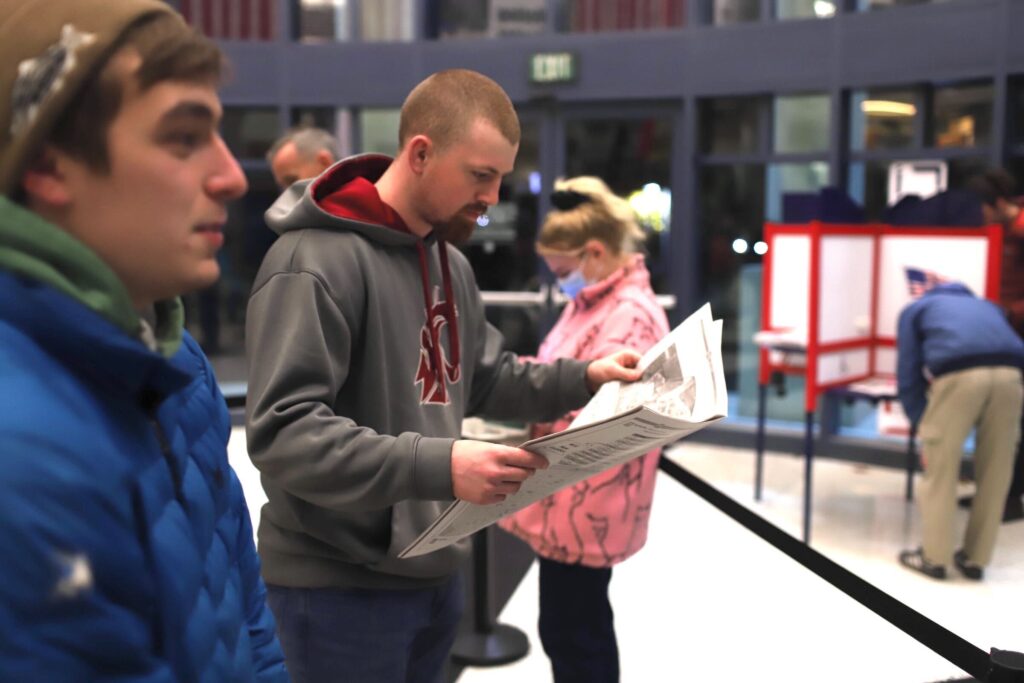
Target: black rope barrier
{"points": [[1003, 666]]}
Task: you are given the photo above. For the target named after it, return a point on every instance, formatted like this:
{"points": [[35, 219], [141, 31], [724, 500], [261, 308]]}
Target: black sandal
{"points": [[914, 559]]}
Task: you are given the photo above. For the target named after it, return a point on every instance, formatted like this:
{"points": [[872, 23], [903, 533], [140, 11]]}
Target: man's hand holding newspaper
{"points": [[681, 390]]}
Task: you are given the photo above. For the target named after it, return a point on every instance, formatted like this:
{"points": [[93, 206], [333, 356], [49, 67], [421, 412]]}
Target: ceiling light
{"points": [[824, 9], [887, 108]]}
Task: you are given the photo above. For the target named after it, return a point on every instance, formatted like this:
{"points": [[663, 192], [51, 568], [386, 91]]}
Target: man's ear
{"points": [[324, 159], [419, 151], [45, 181]]}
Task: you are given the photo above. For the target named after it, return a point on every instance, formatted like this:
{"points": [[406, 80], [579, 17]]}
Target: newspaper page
{"points": [[682, 390]]}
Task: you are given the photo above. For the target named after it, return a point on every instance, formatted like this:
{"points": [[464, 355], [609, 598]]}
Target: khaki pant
{"points": [[989, 399]]}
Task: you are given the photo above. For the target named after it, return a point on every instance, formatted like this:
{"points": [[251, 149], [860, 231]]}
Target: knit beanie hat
{"points": [[48, 50]]}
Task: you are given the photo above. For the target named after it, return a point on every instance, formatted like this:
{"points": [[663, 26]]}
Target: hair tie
{"points": [[567, 200]]}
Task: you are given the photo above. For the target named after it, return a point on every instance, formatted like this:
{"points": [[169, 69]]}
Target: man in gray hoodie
{"points": [[367, 347]]}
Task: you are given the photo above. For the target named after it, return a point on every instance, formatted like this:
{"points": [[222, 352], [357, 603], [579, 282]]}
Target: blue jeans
{"points": [[367, 636]]}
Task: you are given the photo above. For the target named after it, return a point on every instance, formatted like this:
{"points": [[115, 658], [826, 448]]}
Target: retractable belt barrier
{"points": [[1001, 666]]}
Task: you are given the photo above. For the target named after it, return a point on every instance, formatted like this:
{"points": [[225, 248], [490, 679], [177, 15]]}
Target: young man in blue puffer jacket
{"points": [[959, 369], [126, 543]]}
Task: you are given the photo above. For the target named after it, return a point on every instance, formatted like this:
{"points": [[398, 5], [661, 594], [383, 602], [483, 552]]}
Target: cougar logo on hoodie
{"points": [[435, 370]]}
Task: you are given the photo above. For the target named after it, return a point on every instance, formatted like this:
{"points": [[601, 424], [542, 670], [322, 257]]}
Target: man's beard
{"points": [[457, 229]]}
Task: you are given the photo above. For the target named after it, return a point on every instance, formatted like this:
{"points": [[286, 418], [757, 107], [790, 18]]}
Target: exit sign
{"points": [[552, 67]]}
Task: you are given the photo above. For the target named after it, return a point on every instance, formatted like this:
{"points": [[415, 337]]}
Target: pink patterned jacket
{"points": [[602, 520]]}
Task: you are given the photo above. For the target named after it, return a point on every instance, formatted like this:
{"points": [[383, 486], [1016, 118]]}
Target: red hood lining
{"points": [[356, 199], [347, 191]]}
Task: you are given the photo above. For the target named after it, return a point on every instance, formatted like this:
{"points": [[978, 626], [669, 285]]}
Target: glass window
{"points": [[324, 21], [730, 125], [785, 178], [883, 119], [805, 9], [868, 182], [735, 11], [253, 20], [314, 117], [378, 131], [961, 170], [338, 122], [1015, 165], [868, 185], [625, 153], [1015, 129], [381, 20], [493, 19], [962, 115], [801, 123], [585, 16], [250, 131], [731, 219], [864, 5], [461, 19], [731, 207], [632, 157]]}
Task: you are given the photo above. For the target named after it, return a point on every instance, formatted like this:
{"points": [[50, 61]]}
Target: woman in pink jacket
{"points": [[589, 242]]}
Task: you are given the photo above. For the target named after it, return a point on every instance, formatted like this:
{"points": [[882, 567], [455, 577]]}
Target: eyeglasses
{"points": [[579, 254]]}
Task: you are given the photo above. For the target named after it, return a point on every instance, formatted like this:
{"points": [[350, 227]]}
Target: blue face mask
{"points": [[572, 283]]}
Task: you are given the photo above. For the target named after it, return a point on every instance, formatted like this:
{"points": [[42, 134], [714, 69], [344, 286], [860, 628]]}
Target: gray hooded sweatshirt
{"points": [[360, 373]]}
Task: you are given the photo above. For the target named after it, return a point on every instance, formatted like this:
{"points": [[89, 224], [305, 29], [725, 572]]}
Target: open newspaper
{"points": [[681, 391]]}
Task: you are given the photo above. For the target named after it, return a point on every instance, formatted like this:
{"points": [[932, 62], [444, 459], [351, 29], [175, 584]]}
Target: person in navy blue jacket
{"points": [[127, 549], [959, 369]]}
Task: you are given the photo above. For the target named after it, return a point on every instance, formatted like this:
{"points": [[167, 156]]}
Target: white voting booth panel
{"points": [[844, 286], [885, 359], [790, 283], [842, 367], [839, 290], [844, 307]]}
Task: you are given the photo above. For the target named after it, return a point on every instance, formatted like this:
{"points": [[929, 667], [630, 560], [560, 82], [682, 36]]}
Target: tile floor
{"points": [[707, 601]]}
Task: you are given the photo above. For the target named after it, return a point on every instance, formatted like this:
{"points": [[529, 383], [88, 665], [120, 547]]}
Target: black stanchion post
{"points": [[808, 479], [490, 643], [1007, 667], [762, 394]]}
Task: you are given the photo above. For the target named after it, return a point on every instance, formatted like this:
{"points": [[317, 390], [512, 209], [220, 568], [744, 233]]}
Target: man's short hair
{"points": [[309, 141], [445, 105]]}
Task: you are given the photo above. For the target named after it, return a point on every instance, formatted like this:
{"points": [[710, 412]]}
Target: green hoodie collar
{"points": [[36, 249]]}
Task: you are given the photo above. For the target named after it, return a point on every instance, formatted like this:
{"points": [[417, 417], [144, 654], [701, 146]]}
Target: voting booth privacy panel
{"points": [[832, 294]]}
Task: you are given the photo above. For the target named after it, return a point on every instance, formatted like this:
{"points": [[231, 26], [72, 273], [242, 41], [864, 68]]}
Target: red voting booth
{"points": [[830, 300]]}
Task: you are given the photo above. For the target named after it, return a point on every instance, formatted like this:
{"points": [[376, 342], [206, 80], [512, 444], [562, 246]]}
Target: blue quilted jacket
{"points": [[126, 550]]}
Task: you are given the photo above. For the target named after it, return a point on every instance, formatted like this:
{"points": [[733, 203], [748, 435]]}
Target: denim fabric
{"points": [[359, 635], [577, 626]]}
